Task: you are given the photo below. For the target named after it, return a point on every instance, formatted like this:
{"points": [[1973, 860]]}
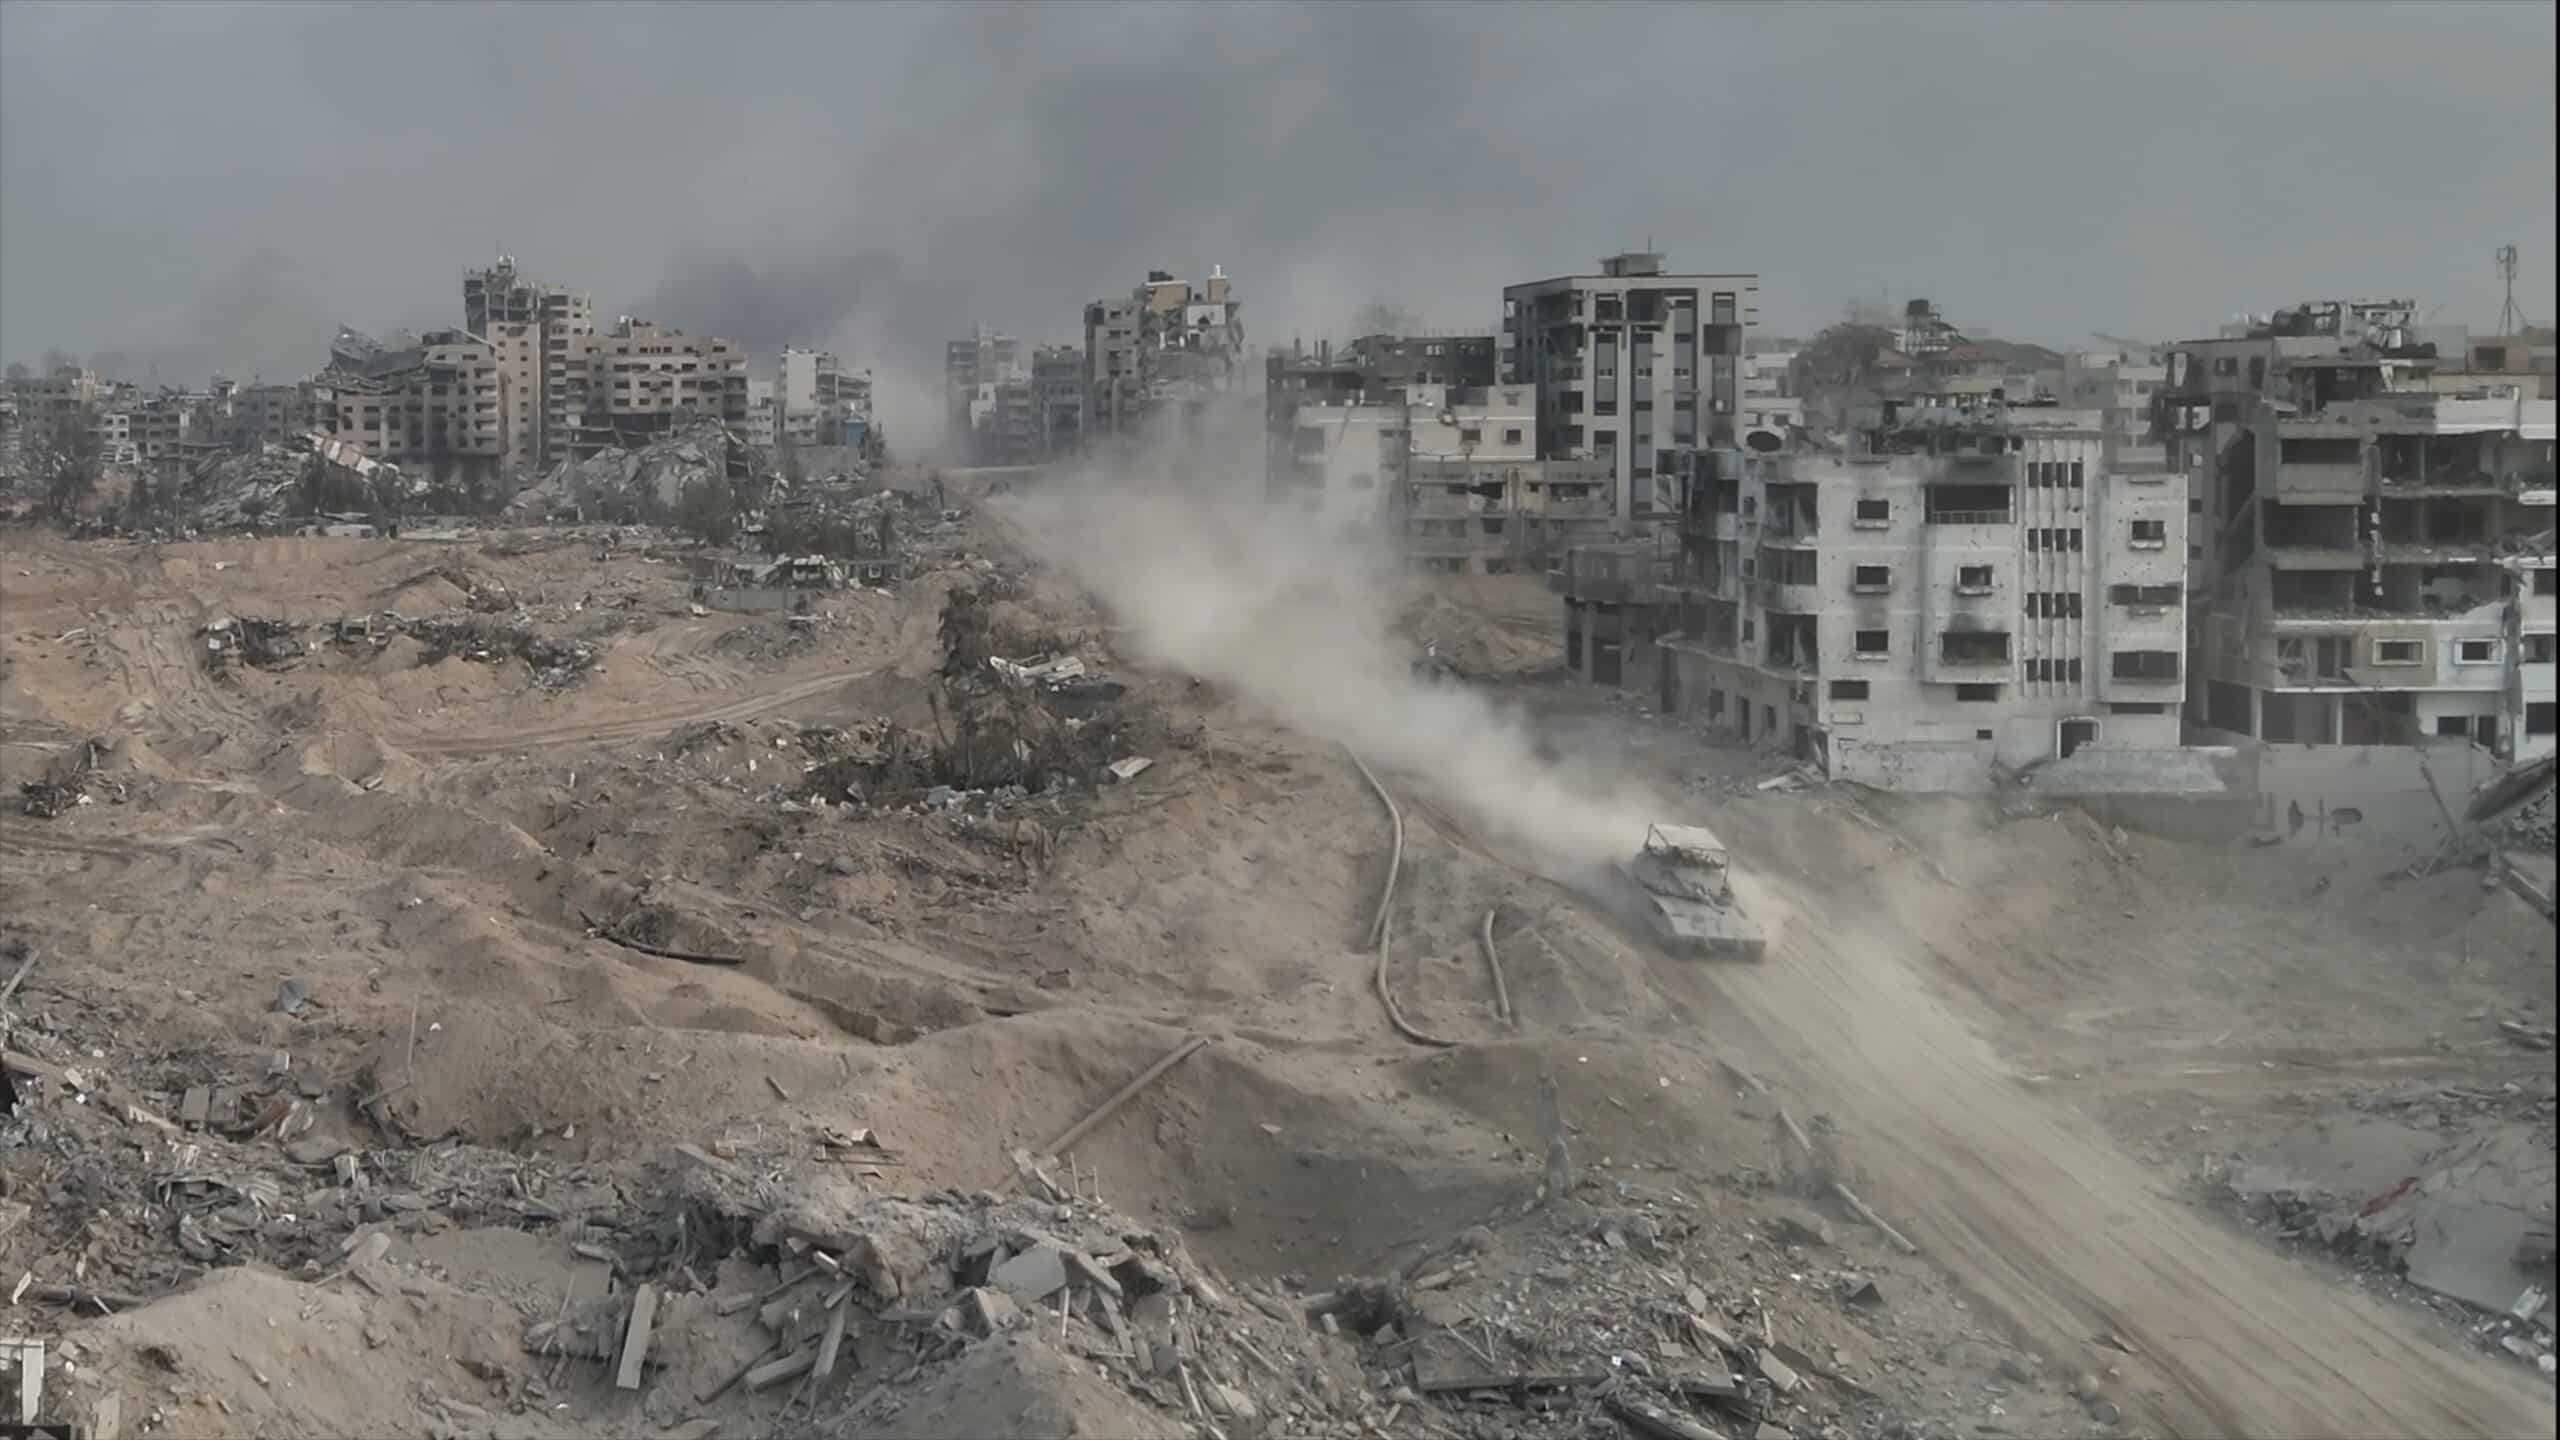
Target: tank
{"points": [[1686, 882]]}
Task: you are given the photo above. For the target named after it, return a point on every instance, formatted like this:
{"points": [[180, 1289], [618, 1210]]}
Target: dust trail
{"points": [[1292, 613]]}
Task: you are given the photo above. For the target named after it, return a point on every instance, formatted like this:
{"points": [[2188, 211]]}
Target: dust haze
{"points": [[732, 165], [1297, 618]]}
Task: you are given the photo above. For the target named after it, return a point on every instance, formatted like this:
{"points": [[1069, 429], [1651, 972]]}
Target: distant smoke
{"points": [[869, 309], [1294, 617]]}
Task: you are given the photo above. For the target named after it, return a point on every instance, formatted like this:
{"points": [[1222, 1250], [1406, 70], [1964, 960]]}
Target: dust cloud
{"points": [[1295, 616]]}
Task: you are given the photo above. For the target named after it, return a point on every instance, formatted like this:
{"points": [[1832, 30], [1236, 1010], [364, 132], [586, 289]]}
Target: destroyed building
{"points": [[644, 380], [2374, 548], [1166, 345], [1451, 473], [1630, 365], [1962, 586], [431, 404]]}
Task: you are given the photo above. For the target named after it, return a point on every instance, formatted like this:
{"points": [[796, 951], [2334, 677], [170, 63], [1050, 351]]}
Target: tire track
{"points": [[2052, 1226], [628, 726], [2069, 1237]]}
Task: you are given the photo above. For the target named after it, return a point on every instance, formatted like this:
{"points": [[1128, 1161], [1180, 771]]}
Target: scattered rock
{"points": [[1803, 1227]]}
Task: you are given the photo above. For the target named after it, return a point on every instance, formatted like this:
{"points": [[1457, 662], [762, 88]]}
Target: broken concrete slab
{"points": [[1803, 1227], [988, 1312], [1090, 1271], [1034, 1275], [635, 1338], [1780, 1375]]}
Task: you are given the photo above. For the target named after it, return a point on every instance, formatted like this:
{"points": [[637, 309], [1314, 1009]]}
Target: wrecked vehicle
{"points": [[1686, 881]]}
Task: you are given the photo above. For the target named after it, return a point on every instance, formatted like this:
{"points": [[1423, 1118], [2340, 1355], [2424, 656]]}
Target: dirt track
{"points": [[2058, 1228]]}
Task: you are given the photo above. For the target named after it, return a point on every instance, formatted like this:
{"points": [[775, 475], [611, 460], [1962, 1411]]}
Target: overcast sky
{"points": [[206, 183]]}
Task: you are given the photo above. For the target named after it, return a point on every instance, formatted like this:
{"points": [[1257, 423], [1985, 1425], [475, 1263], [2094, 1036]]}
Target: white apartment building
{"points": [[1970, 587], [1631, 365], [2373, 543], [2532, 622]]}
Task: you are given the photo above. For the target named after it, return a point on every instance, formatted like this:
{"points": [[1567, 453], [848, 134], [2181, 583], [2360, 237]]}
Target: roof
{"points": [[1684, 838]]}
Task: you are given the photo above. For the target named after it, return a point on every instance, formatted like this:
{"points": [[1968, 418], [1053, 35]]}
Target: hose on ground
{"points": [[1382, 928]]}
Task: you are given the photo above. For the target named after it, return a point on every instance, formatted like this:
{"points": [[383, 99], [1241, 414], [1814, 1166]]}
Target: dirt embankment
{"points": [[421, 852]]}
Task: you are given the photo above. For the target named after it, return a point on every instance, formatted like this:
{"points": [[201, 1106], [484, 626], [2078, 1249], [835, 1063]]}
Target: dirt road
{"points": [[2054, 1226]]}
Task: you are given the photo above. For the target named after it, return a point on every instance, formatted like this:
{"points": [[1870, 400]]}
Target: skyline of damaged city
{"points": [[1279, 720], [920, 215]]}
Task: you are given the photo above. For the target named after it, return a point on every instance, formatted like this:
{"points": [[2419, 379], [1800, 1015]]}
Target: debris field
{"points": [[480, 986]]}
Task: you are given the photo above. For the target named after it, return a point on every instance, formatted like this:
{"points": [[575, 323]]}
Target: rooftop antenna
{"points": [[2510, 319]]}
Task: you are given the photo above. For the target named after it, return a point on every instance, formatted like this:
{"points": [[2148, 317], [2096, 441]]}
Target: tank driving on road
{"points": [[1687, 884]]}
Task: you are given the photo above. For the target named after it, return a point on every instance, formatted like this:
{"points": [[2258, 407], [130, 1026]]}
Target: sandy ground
{"points": [[2009, 1026]]}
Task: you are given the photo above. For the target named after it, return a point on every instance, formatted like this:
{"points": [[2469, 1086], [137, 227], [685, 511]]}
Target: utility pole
{"points": [[2510, 319]]}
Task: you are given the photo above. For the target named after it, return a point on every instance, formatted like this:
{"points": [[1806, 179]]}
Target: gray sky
{"points": [[210, 183]]}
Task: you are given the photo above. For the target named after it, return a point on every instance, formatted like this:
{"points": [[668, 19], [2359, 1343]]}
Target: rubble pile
{"points": [[634, 486], [553, 663], [229, 492], [252, 1169], [267, 643], [2527, 826], [66, 783], [1628, 1308], [262, 642], [2466, 1223]]}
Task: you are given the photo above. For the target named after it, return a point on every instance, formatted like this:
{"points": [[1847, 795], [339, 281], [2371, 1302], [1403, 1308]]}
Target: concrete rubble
{"points": [[631, 485], [2470, 1221]]}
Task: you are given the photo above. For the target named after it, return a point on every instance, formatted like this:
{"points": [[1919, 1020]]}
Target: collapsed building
{"points": [[1959, 587], [430, 404], [2375, 556]]}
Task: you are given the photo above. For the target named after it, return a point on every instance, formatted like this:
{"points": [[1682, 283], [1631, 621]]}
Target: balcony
{"points": [[2319, 461], [1787, 599]]}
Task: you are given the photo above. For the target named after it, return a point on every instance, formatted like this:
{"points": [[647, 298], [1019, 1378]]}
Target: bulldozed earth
{"points": [[467, 988]]}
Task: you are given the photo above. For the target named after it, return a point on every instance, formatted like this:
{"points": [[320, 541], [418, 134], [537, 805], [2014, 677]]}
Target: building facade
{"points": [[1977, 586], [2374, 533], [1448, 474], [1057, 392], [538, 334], [1630, 366], [433, 404], [1168, 344], [642, 379]]}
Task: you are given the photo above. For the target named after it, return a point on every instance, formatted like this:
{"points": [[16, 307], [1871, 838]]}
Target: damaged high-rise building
{"points": [[1630, 365], [538, 334], [2374, 550], [434, 404], [643, 379]]}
